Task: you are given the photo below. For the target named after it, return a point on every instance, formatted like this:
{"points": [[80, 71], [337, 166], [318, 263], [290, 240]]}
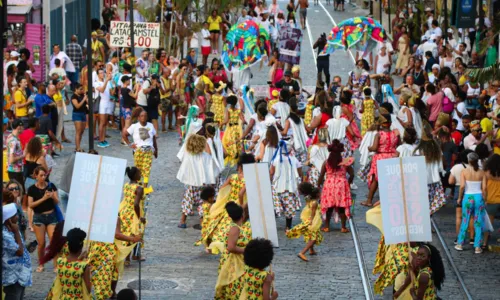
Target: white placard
{"points": [[260, 202], [146, 35], [107, 200]]}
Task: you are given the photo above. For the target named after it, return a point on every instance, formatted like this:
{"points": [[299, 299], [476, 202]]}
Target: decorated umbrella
{"points": [[246, 44], [360, 33]]}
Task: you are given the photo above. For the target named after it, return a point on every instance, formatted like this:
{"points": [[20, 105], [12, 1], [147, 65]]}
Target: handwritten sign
{"points": [[290, 40], [417, 200], [146, 35], [260, 202], [107, 200]]}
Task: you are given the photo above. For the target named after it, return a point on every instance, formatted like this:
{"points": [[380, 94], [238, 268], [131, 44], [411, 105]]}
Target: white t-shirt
{"points": [[461, 108], [142, 99], [70, 67], [105, 96], [381, 62], [456, 171], [59, 71], [470, 142], [143, 135], [387, 44], [204, 34], [406, 150], [194, 43], [437, 31]]}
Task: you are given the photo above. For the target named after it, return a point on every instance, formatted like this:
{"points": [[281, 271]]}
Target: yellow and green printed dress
{"points": [[69, 283], [250, 286], [218, 108], [430, 290], [231, 265], [143, 158], [308, 114], [130, 223], [231, 136], [308, 228], [390, 261], [219, 221], [368, 116], [102, 259]]}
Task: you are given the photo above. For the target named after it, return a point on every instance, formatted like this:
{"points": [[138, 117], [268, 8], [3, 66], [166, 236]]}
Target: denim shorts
{"points": [[472, 104], [45, 219], [79, 117]]}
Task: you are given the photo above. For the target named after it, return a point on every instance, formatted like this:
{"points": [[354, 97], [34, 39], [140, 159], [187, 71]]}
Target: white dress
{"points": [[417, 121], [299, 135], [282, 111], [194, 127], [285, 174], [318, 156], [217, 154], [406, 150], [196, 170], [268, 154], [337, 128]]}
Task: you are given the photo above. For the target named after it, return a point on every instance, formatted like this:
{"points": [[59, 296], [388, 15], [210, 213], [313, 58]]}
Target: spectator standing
{"points": [[15, 153], [22, 102], [66, 62], [205, 43], [434, 103], [16, 261], [75, 54], [214, 21]]}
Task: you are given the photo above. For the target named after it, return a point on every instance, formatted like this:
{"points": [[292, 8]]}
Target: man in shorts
{"points": [[303, 4], [338, 4], [166, 89]]}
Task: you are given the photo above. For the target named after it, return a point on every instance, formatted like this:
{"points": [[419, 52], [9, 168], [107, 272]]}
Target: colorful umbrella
{"points": [[360, 33], [246, 44]]}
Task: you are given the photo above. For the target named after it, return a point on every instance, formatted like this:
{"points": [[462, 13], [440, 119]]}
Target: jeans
{"points": [[74, 77], [14, 291]]}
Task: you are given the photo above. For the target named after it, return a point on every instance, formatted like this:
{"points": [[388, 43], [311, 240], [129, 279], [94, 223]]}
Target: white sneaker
{"points": [[459, 248], [478, 250], [354, 186]]}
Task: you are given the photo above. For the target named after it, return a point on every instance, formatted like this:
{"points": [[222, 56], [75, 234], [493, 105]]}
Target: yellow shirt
{"points": [[214, 23], [486, 125], [57, 97], [20, 98], [496, 146], [166, 85], [208, 83]]}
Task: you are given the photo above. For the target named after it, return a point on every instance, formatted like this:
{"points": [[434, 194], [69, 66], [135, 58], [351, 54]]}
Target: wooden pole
{"points": [[92, 207], [405, 207]]}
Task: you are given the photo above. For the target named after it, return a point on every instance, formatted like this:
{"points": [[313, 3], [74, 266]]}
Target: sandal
{"points": [[325, 229], [344, 230], [302, 256], [40, 269]]}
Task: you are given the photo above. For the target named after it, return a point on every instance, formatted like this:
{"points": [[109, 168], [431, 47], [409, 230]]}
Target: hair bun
{"points": [[336, 146]]}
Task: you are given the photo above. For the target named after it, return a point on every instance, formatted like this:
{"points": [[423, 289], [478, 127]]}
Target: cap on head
{"points": [[288, 73], [17, 123]]}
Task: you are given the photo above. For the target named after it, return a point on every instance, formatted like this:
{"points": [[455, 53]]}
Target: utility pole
{"points": [[131, 12], [89, 75]]}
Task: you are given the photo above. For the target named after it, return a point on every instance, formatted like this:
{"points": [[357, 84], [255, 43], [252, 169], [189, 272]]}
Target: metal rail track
{"points": [[365, 278]]}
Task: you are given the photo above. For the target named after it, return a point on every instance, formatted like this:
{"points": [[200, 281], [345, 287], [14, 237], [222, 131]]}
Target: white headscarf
{"points": [[9, 211]]}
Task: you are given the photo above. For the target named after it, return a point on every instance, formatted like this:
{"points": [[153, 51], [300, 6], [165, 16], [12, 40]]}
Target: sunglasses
{"points": [[14, 189]]}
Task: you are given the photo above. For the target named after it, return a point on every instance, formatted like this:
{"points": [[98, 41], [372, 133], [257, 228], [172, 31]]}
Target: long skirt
{"points": [[143, 158], [436, 197]]}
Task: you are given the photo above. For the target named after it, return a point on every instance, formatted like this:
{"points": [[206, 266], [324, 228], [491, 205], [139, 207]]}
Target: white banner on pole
{"points": [[107, 199], [417, 199], [146, 35], [260, 202]]}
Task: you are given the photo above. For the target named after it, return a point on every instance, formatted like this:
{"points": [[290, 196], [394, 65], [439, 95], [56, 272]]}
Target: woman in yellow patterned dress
{"points": [[256, 282], [132, 207], [428, 279], [218, 103], [274, 99], [233, 121], [218, 219], [73, 274], [311, 221], [231, 265], [368, 107], [104, 259]]}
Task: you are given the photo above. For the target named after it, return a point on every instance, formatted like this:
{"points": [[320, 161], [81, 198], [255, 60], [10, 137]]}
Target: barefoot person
{"points": [[303, 4]]}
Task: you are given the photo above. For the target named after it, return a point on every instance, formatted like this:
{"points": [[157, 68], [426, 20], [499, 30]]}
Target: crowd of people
{"points": [[308, 141]]}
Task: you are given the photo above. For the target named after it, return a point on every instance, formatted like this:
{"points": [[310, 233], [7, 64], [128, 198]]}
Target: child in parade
{"points": [[368, 108], [275, 98], [429, 270], [336, 193], [233, 120], [408, 147], [311, 221], [218, 102], [281, 109], [285, 171], [268, 145], [231, 265], [256, 282], [195, 171], [207, 195]]}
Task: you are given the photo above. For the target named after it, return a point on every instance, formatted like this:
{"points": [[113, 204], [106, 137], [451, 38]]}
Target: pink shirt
{"points": [[435, 104]]}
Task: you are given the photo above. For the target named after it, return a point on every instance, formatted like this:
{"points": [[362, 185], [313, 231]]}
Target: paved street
{"points": [[175, 269]]}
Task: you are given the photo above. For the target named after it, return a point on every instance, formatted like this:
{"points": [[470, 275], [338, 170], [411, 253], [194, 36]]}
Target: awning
{"points": [[18, 9]]}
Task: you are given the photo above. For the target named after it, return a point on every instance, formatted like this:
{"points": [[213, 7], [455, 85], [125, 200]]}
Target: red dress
{"points": [[336, 192], [355, 140], [387, 145], [324, 118]]}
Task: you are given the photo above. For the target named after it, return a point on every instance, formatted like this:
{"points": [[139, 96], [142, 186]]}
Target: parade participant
{"points": [[231, 265], [268, 145], [473, 189], [358, 79], [131, 211], [408, 146], [348, 110], [320, 115], [311, 221], [215, 149], [429, 268], [285, 171], [42, 198], [368, 108], [416, 115], [219, 220], [384, 144], [275, 98], [233, 120], [295, 127], [431, 150], [144, 145], [195, 171], [318, 154], [258, 255], [78, 285], [404, 114], [254, 122], [207, 196], [336, 193], [218, 102]]}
